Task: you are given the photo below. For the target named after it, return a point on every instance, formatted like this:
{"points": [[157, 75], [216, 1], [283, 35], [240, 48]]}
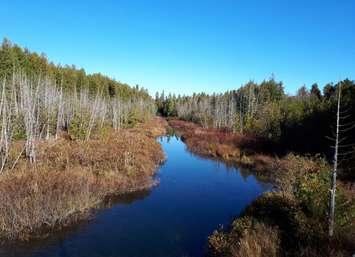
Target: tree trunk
{"points": [[334, 173]]}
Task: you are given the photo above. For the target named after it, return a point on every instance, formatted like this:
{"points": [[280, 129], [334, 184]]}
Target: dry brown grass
{"points": [[153, 128], [260, 241], [247, 238], [244, 150], [72, 177], [41, 199]]}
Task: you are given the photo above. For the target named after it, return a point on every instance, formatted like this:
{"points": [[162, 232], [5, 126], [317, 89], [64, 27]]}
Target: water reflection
{"points": [[126, 198], [23, 249]]}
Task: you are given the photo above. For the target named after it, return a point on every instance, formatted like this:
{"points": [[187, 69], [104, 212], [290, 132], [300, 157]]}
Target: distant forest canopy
{"points": [[15, 59], [300, 123]]}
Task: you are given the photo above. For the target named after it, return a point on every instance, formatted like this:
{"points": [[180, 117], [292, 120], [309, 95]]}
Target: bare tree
{"points": [[37, 109], [340, 154], [29, 105], [5, 136]]}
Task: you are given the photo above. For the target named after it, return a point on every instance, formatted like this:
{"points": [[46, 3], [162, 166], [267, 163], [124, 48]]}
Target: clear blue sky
{"points": [[187, 46]]}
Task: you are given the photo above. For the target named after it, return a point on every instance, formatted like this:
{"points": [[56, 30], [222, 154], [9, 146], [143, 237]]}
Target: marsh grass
{"points": [[72, 177]]}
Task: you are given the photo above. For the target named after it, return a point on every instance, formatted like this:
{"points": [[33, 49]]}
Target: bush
{"points": [[78, 127], [279, 210], [258, 241], [18, 130], [133, 118], [247, 238], [312, 192]]}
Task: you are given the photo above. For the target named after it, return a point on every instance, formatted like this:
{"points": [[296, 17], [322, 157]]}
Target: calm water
{"points": [[194, 197]]}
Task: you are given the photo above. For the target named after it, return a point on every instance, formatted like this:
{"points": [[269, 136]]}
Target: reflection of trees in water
{"points": [[262, 178], [126, 198], [232, 166], [245, 173], [54, 238], [170, 133]]}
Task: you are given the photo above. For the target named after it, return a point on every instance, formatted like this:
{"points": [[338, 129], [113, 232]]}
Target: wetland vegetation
{"points": [[70, 141]]}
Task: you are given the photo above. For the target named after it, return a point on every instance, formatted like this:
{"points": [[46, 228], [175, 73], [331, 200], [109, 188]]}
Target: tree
{"points": [[341, 127], [270, 90], [315, 91], [302, 93], [329, 91]]}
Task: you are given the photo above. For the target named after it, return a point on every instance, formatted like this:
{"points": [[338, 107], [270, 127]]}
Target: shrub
{"points": [[258, 241], [312, 191], [18, 130], [247, 238], [133, 118], [78, 127], [279, 210]]}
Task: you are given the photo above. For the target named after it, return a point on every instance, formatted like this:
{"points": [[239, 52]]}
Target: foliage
{"points": [[78, 128], [312, 192]]}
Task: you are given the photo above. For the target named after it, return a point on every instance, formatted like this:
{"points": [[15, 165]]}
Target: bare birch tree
{"points": [[340, 153], [38, 109], [5, 136]]}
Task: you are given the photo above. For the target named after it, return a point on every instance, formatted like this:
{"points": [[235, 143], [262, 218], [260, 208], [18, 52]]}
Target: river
{"points": [[194, 196]]}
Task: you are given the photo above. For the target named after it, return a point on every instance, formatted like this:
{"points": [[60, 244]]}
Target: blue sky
{"points": [[191, 46]]}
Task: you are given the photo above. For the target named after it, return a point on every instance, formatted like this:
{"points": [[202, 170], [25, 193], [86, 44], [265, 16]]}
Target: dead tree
{"points": [[36, 109], [340, 154], [29, 105], [5, 133]]}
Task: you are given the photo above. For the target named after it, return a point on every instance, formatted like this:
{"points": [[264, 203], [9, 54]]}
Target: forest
{"points": [[303, 123]]}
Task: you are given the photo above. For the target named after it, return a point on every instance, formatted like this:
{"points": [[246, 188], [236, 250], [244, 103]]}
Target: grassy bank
{"points": [[290, 223], [72, 177], [293, 220], [245, 151]]}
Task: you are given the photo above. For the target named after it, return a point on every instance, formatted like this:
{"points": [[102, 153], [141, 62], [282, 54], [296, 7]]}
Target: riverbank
{"points": [[72, 177], [291, 221], [248, 152]]}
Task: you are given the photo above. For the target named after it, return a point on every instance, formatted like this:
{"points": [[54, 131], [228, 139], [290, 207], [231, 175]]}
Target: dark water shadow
{"points": [[58, 235]]}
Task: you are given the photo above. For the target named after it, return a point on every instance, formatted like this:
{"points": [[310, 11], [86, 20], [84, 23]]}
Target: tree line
{"points": [[39, 101], [301, 123], [15, 59]]}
